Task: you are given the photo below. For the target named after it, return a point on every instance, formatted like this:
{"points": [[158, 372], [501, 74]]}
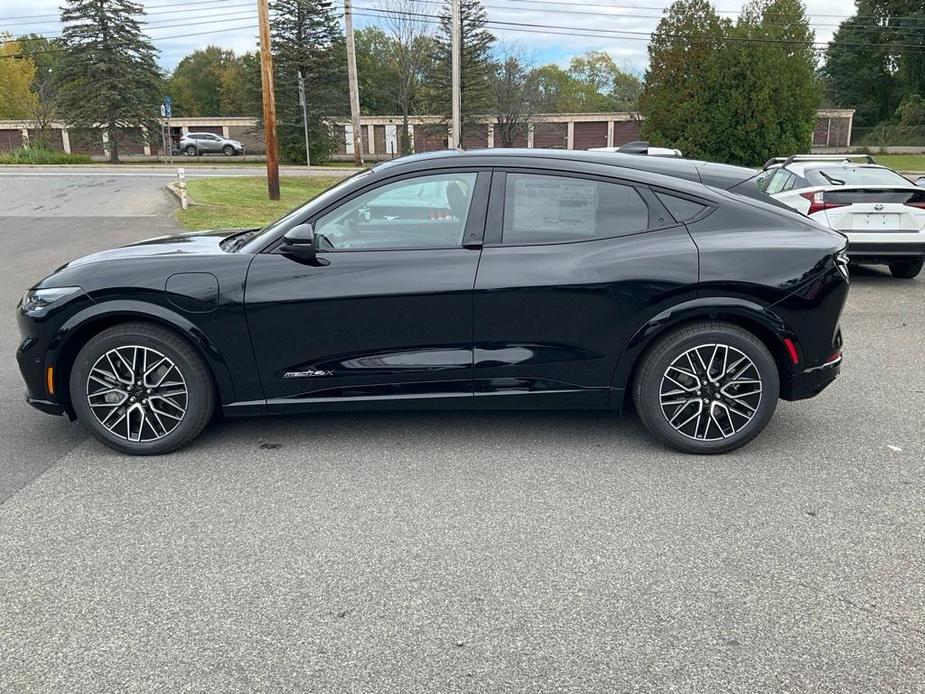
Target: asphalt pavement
{"points": [[459, 552]]}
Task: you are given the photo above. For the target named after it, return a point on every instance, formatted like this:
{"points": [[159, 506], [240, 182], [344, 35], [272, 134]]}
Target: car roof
{"points": [[698, 171]]}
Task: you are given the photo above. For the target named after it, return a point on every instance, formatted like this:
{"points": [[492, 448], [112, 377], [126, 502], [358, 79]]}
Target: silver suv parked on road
{"points": [[194, 144]]}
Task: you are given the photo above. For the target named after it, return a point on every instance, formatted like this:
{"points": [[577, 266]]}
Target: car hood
{"points": [[194, 243]]}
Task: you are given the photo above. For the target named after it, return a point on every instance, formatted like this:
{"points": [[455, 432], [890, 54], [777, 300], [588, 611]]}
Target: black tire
{"points": [[907, 269], [190, 150], [199, 400], [228, 150], [651, 385]]}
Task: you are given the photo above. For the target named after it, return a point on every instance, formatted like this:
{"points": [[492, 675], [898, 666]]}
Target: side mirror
{"points": [[299, 242]]}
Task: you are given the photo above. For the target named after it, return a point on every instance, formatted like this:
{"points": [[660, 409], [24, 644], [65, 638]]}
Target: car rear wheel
{"points": [[190, 150], [228, 150], [907, 269], [707, 387], [141, 389]]}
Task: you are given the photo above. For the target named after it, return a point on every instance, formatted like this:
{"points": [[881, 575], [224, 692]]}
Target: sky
{"points": [[179, 27]]}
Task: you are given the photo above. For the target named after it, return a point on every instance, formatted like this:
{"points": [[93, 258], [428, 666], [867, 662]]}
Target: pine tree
{"points": [[476, 65], [674, 100], [306, 37], [108, 77]]}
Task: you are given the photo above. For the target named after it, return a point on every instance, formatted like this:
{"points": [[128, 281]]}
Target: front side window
{"points": [[422, 212], [560, 209]]}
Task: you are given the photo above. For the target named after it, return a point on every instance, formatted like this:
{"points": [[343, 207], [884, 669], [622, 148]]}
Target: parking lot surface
{"points": [[410, 552]]}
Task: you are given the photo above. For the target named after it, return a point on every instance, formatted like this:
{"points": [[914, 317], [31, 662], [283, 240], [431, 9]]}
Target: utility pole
{"points": [[457, 88], [352, 81], [304, 105], [269, 101]]}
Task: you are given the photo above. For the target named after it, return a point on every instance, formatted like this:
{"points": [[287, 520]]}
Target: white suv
{"points": [[881, 212]]}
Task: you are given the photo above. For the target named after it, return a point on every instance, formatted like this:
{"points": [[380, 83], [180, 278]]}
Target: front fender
{"points": [[761, 320], [66, 341]]}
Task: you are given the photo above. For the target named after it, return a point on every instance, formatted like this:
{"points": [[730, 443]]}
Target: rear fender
{"points": [[760, 320]]}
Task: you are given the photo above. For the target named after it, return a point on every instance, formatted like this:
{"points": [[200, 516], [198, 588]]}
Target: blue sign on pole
{"points": [[168, 107]]}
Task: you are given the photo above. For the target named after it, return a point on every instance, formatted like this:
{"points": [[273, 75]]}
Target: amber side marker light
{"points": [[50, 380]]}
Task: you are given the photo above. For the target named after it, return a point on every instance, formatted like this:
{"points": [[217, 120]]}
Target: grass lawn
{"points": [[902, 162], [242, 201]]}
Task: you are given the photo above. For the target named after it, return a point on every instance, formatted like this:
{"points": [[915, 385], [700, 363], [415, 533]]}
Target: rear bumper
{"points": [[885, 251], [812, 381]]}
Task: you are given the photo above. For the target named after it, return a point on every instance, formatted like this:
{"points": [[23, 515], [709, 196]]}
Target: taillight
{"points": [[920, 205], [817, 202]]}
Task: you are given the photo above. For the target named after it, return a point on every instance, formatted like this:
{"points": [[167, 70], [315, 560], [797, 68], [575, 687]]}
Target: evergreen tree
{"points": [[306, 37], [762, 91], [107, 75], [732, 93], [681, 55], [476, 65]]}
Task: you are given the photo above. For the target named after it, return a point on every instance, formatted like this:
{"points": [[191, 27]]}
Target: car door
{"points": [[385, 313], [210, 143], [572, 265]]}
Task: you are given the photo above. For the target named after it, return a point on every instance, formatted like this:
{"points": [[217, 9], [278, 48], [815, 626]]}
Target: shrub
{"points": [[42, 155]]}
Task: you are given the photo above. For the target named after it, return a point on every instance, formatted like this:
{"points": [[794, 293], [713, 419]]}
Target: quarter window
{"points": [[559, 209], [422, 212], [778, 181]]}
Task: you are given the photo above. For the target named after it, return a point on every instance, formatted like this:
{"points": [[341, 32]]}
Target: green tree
{"points": [[911, 111], [45, 54], [376, 75], [859, 73], [681, 57], [17, 99], [107, 74], [476, 65], [734, 93], [412, 48], [876, 59], [513, 99], [762, 91], [208, 82], [307, 37]]}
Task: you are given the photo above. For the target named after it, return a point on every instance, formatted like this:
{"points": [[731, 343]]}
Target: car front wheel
{"points": [[707, 387], [141, 389], [228, 150], [907, 270]]}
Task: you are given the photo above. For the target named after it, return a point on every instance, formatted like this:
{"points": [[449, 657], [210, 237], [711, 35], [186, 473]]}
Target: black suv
{"points": [[489, 279]]}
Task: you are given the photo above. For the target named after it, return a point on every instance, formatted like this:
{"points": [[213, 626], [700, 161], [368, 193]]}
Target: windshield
{"points": [[257, 241], [854, 176]]}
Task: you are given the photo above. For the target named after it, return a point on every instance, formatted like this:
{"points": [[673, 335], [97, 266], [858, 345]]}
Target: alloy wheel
{"points": [[137, 393], [710, 392]]}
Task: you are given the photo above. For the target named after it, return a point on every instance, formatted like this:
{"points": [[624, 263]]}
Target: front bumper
{"points": [[46, 406]]}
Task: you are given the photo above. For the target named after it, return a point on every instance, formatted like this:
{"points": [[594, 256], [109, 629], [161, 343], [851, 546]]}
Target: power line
{"points": [[158, 38], [560, 30], [56, 19], [237, 17], [628, 16]]}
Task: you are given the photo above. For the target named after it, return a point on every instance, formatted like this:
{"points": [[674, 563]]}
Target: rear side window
{"points": [[680, 208], [778, 181], [560, 209]]}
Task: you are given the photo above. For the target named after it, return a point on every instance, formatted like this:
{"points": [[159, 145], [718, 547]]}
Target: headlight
{"points": [[37, 301]]}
